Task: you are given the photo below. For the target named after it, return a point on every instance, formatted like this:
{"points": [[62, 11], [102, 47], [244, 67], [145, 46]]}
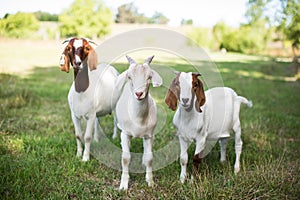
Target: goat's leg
{"points": [[183, 158], [223, 145], [148, 158], [115, 134], [78, 134], [97, 129], [125, 143], [88, 137], [200, 145], [238, 145]]}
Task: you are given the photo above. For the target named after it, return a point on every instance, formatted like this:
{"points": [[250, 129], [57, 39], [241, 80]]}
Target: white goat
{"points": [[90, 95], [136, 114], [221, 107]]}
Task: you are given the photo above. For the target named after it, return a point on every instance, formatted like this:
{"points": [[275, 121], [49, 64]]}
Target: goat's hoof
{"points": [[123, 187], [85, 158], [150, 183], [236, 170]]}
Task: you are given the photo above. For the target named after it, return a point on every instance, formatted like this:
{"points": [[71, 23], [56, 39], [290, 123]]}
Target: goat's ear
{"points": [[92, 59], [199, 92], [171, 98], [65, 61], [156, 79]]}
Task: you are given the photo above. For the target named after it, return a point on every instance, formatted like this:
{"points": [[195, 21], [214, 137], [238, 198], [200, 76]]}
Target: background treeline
{"points": [[269, 22]]}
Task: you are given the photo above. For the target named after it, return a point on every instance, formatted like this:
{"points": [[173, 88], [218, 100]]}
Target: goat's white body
{"points": [[220, 115], [138, 119], [136, 114], [94, 102]]}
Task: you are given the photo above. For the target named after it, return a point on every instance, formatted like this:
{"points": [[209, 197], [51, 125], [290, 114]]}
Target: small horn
{"points": [[68, 40], [90, 41], [149, 60], [196, 74], [130, 60]]}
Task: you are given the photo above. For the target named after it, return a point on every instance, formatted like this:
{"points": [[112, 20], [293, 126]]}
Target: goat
{"points": [[136, 113], [90, 95], [209, 116]]}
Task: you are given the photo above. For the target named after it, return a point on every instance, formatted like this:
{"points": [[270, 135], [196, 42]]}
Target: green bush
{"points": [[19, 25], [202, 37], [86, 18]]}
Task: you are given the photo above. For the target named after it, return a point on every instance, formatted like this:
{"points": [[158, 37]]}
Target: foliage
{"points": [[19, 25], [186, 22], [45, 16], [86, 18], [128, 13], [201, 36]]}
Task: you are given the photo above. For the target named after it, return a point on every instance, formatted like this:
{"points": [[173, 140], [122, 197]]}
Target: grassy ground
{"points": [[37, 143]]}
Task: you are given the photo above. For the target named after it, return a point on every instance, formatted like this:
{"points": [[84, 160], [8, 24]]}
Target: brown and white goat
{"points": [[90, 95], [204, 116]]}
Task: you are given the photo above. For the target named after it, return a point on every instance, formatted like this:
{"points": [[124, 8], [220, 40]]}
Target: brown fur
{"points": [[197, 87], [172, 96]]}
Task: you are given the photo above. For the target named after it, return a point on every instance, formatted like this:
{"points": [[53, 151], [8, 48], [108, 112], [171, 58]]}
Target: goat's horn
{"points": [[67, 40], [90, 41], [149, 60], [130, 60], [197, 74]]}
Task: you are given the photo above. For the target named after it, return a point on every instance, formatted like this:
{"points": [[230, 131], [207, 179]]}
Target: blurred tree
{"points": [[186, 22], [159, 18], [127, 13], [19, 25], [45, 16], [86, 18]]}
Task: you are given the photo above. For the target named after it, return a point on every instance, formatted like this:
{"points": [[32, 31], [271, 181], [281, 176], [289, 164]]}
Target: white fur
{"points": [[96, 101], [220, 115], [136, 114]]}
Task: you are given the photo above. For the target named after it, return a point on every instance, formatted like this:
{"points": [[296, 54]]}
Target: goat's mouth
{"points": [[185, 105]]}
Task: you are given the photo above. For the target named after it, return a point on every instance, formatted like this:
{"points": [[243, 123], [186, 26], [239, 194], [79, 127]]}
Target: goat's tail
{"points": [[245, 101]]}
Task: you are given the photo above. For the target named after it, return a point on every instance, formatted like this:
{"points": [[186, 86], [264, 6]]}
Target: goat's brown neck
{"points": [[81, 78]]}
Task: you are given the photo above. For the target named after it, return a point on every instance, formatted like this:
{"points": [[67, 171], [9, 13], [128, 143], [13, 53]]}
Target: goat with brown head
{"points": [[81, 55], [184, 88]]}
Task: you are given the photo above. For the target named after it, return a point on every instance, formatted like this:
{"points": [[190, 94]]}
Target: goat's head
{"points": [[184, 88], [139, 76], [77, 52]]}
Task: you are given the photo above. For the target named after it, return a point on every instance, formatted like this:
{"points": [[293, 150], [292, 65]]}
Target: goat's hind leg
{"points": [[147, 159], [238, 145], [78, 134], [223, 145]]}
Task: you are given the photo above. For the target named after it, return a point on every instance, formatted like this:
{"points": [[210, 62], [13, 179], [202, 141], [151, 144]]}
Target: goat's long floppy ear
{"points": [[156, 79], [199, 92], [171, 98], [92, 59], [65, 61]]}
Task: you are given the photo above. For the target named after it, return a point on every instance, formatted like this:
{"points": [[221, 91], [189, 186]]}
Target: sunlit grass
{"points": [[38, 148]]}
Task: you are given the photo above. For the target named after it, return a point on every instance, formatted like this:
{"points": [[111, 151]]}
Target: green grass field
{"points": [[38, 149]]}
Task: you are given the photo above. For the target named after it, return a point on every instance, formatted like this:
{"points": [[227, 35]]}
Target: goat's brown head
{"points": [[184, 88], [77, 52]]}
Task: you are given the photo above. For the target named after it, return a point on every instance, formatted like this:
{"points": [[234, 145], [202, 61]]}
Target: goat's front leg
{"points": [[148, 158], [78, 134], [88, 137], [200, 145], [115, 134], [125, 143], [183, 158]]}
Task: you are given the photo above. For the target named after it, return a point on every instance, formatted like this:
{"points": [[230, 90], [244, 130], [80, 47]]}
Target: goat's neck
{"points": [[82, 78], [140, 108]]}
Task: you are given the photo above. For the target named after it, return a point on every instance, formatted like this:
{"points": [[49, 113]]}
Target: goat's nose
{"points": [[185, 100], [77, 63], [139, 94]]}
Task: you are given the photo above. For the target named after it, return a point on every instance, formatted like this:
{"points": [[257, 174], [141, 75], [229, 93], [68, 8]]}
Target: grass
{"points": [[37, 142]]}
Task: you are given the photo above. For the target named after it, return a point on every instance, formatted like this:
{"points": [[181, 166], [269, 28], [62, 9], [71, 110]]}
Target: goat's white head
{"points": [[139, 77], [184, 88], [78, 52]]}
